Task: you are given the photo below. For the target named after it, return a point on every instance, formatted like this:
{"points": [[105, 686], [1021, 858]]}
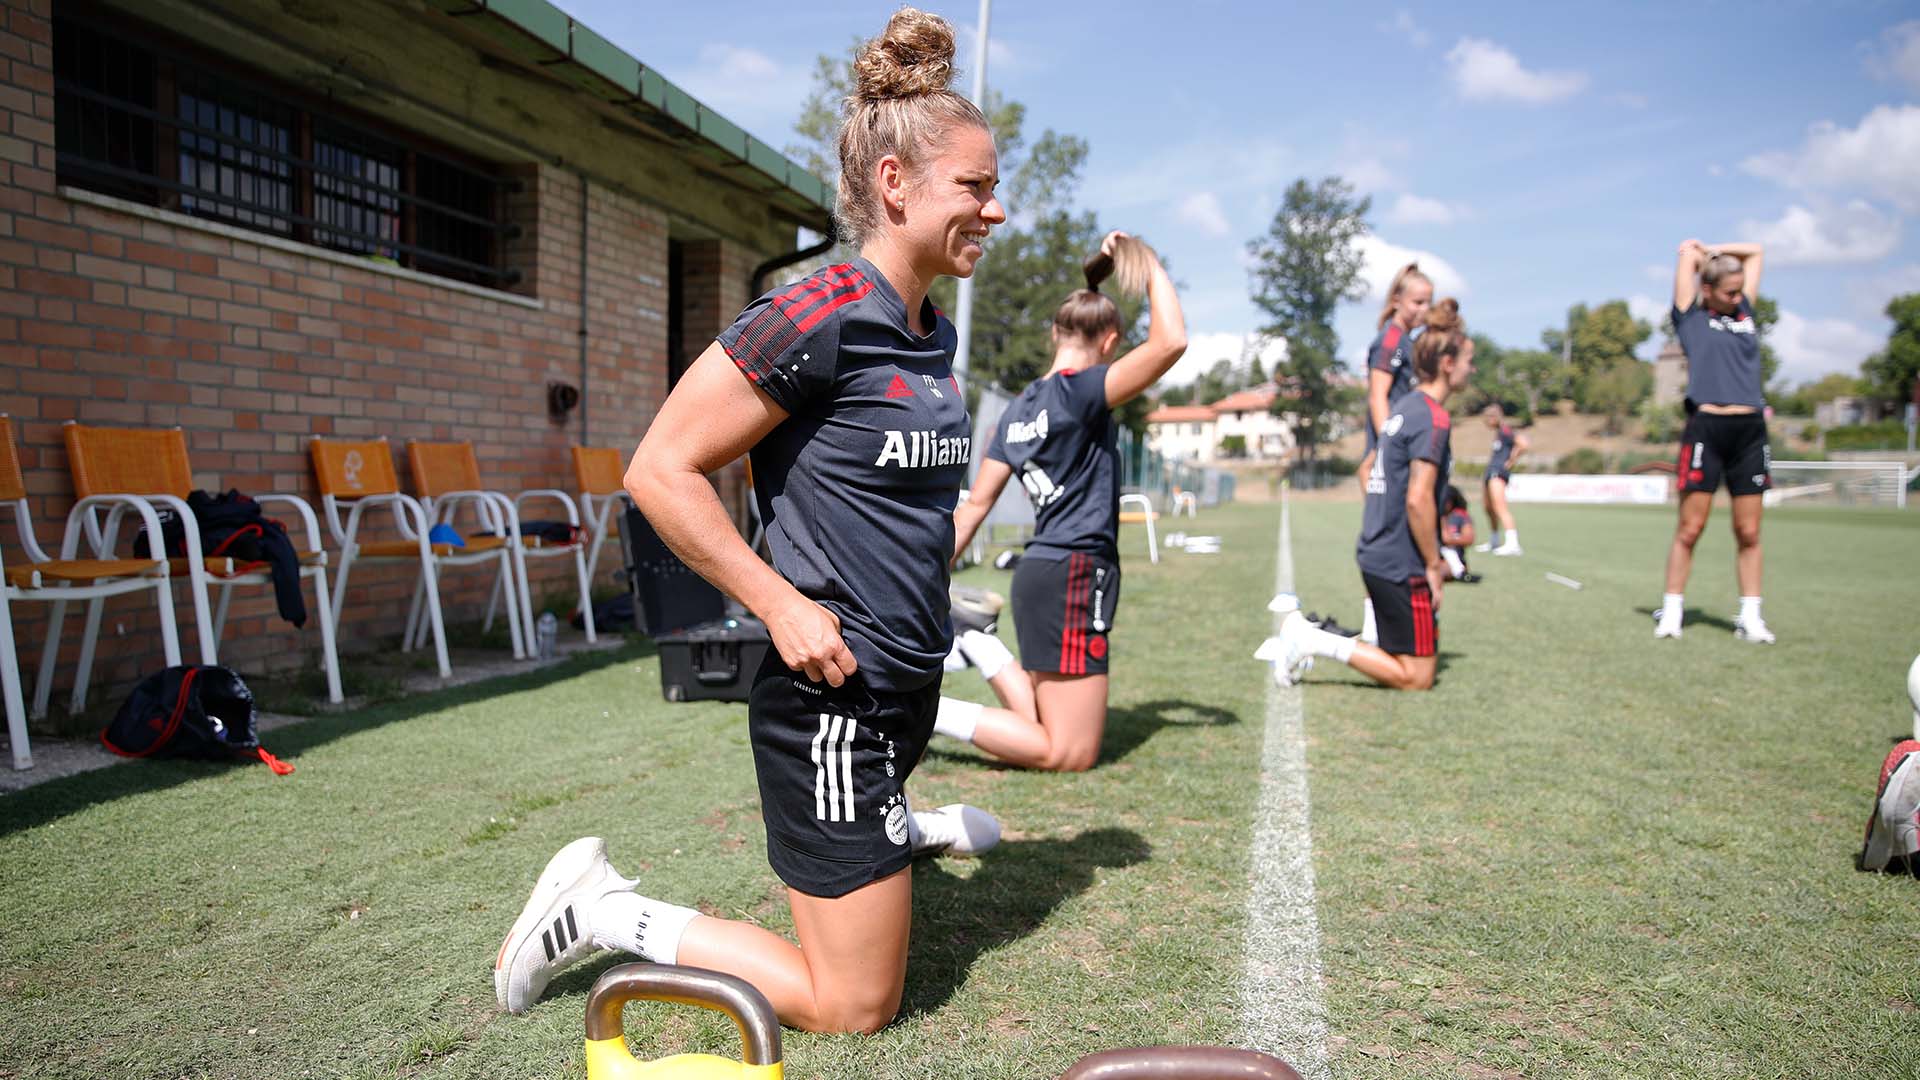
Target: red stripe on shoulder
{"points": [[1442, 419], [833, 304], [1390, 338]]}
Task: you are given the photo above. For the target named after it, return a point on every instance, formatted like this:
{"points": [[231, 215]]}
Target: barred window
{"points": [[150, 123]]}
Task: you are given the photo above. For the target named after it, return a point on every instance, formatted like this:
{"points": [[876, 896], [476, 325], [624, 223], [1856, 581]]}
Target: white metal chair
{"points": [[152, 464], [1146, 514], [58, 581], [1185, 500], [359, 476], [602, 485], [446, 474]]}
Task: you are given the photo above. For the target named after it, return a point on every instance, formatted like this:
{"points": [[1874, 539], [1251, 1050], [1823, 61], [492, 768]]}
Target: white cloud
{"points": [[1896, 57], [1810, 348], [1880, 157], [1368, 174], [1208, 349], [1402, 23], [1234, 166], [1485, 71], [1855, 232], [1001, 57], [1383, 259], [748, 87], [1657, 271], [1411, 209], [1202, 211], [1642, 306]]}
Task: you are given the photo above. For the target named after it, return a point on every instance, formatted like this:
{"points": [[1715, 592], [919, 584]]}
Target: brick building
{"points": [[262, 222]]}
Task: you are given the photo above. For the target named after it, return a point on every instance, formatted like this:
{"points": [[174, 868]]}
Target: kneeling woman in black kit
{"points": [[1399, 550], [1059, 435], [841, 387]]}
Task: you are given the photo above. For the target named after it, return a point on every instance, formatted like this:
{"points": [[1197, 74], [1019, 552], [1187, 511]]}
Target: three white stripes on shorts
{"points": [[833, 768]]}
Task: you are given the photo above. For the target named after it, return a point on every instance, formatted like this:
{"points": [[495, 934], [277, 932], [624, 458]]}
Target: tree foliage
{"points": [[1308, 263], [1523, 381], [1890, 373]]}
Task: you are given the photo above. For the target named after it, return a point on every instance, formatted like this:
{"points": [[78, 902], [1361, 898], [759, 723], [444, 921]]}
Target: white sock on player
{"points": [[1328, 644], [1369, 628], [1672, 606], [1750, 609], [957, 719], [986, 652], [628, 922]]}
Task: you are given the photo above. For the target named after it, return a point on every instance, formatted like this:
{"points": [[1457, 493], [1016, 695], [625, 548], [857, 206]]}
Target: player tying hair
{"points": [[1399, 550], [1390, 374], [1726, 432], [1508, 445], [1059, 436], [841, 387]]}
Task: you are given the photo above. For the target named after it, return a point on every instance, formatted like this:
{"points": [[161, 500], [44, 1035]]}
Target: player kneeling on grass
{"points": [[1893, 829], [1456, 536], [834, 386], [1399, 550], [1060, 436]]}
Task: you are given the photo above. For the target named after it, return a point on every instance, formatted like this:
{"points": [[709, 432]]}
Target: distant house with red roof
{"points": [[1197, 432]]}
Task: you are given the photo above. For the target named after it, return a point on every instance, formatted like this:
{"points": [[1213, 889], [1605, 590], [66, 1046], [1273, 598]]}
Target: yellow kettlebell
{"points": [[607, 1054]]}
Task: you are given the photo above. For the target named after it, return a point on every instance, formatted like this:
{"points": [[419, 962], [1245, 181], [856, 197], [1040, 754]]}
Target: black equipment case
{"points": [[714, 661], [667, 595]]}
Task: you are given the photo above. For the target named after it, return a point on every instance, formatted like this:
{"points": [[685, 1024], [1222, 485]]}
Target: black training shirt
{"points": [[1723, 355], [1417, 429], [1391, 352], [1502, 451], [857, 485], [1059, 439]]}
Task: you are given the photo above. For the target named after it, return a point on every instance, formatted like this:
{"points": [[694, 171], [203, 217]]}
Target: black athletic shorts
{"points": [[1503, 474], [1403, 612], [832, 763], [1063, 611], [1735, 446]]}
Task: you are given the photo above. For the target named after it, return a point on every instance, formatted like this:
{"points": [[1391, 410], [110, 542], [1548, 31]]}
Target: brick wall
{"points": [[111, 317]]}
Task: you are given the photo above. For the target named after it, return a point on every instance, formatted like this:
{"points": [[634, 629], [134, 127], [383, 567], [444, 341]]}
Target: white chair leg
{"points": [[409, 637], [521, 582], [340, 583], [586, 595], [493, 604], [330, 654], [220, 612], [1153, 545], [83, 674], [10, 681], [209, 641], [516, 621], [49, 657], [169, 630], [432, 585]]}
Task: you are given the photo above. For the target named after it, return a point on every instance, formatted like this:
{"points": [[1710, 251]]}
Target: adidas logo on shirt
{"points": [[924, 449], [899, 388]]}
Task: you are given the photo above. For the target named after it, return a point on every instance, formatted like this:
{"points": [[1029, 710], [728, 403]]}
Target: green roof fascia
{"points": [[635, 82]]}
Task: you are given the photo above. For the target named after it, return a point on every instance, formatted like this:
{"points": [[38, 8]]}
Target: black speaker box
{"points": [[667, 595]]}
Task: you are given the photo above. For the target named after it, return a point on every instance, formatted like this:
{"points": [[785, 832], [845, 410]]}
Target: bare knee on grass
{"points": [[1073, 710]]}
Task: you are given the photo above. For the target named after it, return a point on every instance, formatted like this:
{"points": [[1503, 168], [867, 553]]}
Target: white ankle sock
{"points": [[1368, 627], [957, 719], [628, 922], [1331, 645], [986, 652], [1749, 608], [1512, 540]]}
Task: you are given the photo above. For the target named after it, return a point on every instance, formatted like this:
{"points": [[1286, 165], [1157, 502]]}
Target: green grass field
{"points": [[1582, 855]]}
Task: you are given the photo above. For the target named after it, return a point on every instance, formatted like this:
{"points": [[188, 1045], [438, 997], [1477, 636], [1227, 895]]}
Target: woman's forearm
{"points": [[686, 511]]}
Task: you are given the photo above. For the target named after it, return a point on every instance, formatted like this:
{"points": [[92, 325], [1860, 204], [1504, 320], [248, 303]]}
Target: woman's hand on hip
{"points": [[808, 639]]}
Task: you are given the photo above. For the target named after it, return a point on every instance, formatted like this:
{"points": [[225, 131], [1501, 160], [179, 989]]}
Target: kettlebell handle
{"points": [[1180, 1063], [750, 1010]]}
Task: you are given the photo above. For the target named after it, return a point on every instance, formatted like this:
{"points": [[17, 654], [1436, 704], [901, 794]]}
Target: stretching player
{"points": [[1456, 536], [1059, 435], [1508, 445], [1399, 550], [1726, 432], [1390, 374], [842, 388]]}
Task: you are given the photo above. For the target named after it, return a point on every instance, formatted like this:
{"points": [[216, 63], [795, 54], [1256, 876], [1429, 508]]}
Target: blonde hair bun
{"points": [[1444, 316], [912, 57]]}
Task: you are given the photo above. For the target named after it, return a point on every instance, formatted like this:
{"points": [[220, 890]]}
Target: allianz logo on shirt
{"points": [[923, 450], [1741, 325], [1018, 432]]}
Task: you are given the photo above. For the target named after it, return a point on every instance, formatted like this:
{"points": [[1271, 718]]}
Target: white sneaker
{"points": [[954, 829], [1507, 549], [1893, 829], [1754, 630], [1294, 660], [553, 931], [1483, 548], [1664, 626]]}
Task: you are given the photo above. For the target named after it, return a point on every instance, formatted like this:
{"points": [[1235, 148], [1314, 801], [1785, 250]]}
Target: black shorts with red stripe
{"points": [[1063, 611], [1403, 610]]}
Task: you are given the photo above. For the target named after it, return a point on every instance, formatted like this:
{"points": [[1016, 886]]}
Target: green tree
{"points": [[1890, 373], [1604, 339], [1765, 314], [1304, 267], [1618, 390], [1175, 395]]}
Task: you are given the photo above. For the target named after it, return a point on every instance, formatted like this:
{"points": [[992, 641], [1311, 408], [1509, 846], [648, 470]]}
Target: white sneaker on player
{"points": [[1483, 548], [954, 829], [554, 931], [1753, 629], [1665, 626], [1893, 829], [1507, 549], [1294, 660]]}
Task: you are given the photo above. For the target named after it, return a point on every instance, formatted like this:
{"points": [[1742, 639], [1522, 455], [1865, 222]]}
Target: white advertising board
{"points": [[1575, 488]]}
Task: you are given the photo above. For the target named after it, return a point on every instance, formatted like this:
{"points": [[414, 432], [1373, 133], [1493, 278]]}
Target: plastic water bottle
{"points": [[547, 635]]}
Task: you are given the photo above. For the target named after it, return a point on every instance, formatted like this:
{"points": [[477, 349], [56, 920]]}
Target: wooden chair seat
{"points": [[223, 566], [83, 571], [410, 549]]}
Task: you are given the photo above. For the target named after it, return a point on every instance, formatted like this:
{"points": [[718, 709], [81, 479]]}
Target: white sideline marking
{"points": [[1283, 1008]]}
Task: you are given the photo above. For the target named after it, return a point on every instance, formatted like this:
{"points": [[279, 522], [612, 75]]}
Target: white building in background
{"points": [[1182, 432], [1197, 432]]}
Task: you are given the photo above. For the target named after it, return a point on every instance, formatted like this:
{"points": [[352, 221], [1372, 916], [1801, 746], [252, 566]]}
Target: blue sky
{"points": [[1535, 155]]}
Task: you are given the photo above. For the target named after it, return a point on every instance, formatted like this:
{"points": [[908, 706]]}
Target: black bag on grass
{"points": [[190, 711]]}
